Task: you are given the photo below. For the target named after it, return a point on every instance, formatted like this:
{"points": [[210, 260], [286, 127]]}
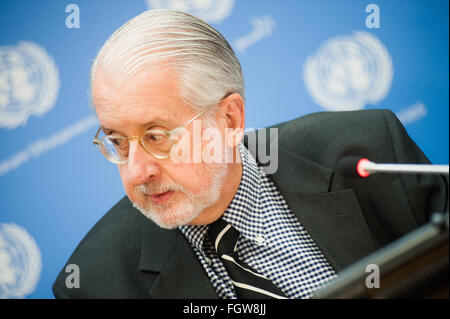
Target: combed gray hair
{"points": [[206, 65]]}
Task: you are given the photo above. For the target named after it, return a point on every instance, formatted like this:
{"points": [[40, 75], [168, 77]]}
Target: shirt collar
{"points": [[244, 212]]}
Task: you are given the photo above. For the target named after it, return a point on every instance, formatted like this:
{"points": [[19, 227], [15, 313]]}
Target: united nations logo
{"points": [[349, 72], [213, 11], [20, 262], [29, 83]]}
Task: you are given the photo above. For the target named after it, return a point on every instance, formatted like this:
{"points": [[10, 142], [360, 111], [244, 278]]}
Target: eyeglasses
{"points": [[157, 143]]}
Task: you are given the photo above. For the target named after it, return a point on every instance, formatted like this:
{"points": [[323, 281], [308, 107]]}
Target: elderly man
{"points": [[196, 228]]}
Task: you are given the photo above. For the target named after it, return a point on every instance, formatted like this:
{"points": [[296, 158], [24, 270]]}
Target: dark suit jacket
{"points": [[127, 256]]}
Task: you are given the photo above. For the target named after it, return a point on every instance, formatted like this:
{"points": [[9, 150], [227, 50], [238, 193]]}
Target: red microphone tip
{"points": [[359, 167]]}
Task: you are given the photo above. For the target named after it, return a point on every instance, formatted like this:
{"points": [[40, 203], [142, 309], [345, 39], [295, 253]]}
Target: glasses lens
{"points": [[157, 142], [115, 149]]}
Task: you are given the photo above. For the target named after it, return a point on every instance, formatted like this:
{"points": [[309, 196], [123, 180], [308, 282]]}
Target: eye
{"points": [[156, 138], [118, 142]]}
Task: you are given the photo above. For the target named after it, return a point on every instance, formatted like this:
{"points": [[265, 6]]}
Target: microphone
{"points": [[354, 166]]}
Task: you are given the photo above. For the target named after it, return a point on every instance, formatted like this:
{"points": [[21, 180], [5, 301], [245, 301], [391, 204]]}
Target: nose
{"points": [[141, 166]]}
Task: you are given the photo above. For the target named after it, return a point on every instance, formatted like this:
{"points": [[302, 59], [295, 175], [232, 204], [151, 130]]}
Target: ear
{"points": [[232, 111]]}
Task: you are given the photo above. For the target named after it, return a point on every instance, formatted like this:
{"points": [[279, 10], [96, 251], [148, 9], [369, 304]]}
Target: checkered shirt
{"points": [[272, 239]]}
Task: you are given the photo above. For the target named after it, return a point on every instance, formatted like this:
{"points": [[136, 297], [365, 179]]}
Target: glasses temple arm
{"points": [[95, 140], [196, 117]]}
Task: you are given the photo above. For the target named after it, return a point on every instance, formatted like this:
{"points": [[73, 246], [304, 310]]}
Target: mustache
{"points": [[150, 189]]}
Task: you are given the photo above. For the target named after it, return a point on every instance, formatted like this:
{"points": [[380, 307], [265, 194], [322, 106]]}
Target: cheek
{"points": [[195, 178], [126, 185], [191, 176]]}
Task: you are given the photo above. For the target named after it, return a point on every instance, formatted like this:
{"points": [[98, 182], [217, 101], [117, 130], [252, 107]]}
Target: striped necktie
{"points": [[248, 284]]}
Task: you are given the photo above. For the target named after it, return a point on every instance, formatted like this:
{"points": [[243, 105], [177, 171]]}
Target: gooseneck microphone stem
{"points": [[372, 168], [353, 166]]}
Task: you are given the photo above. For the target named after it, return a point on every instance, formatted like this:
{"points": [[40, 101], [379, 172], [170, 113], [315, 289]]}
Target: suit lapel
{"points": [[334, 220], [180, 273], [335, 223]]}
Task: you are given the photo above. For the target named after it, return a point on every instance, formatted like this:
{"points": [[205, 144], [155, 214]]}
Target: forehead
{"points": [[150, 95]]}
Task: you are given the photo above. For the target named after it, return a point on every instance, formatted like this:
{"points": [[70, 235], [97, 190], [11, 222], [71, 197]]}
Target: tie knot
{"points": [[223, 236]]}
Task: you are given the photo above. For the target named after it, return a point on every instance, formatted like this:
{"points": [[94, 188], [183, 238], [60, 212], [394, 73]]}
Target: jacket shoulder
{"points": [[325, 137], [111, 249], [343, 120]]}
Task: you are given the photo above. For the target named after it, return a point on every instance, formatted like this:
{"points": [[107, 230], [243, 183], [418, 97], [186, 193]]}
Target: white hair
{"points": [[206, 66]]}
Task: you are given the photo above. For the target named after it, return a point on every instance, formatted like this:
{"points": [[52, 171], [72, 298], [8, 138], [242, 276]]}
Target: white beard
{"points": [[176, 213]]}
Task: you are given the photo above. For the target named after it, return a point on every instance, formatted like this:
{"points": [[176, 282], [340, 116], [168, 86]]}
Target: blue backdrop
{"points": [[298, 57]]}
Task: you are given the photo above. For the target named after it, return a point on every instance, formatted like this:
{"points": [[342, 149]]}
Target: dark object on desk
{"points": [[414, 266]]}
